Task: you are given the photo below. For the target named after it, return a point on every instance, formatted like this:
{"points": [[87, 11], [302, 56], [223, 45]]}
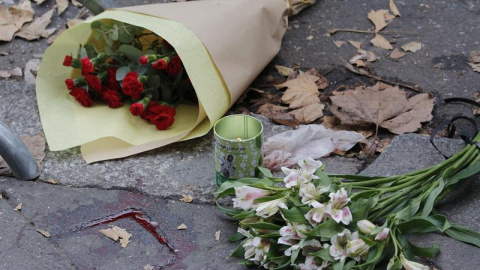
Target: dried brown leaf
{"points": [[355, 44], [377, 17], [369, 56], [43, 232], [277, 114], [217, 235], [394, 9], [31, 68], [476, 111], [474, 57], [37, 28], [412, 46], [381, 42], [284, 71], [301, 91], [39, 1], [12, 72], [182, 227], [52, 181], [148, 267], [13, 18], [76, 3], [388, 108], [308, 114], [309, 37], [186, 199], [298, 5], [476, 67], [18, 208], [338, 43], [62, 5], [359, 63], [334, 123], [396, 54], [420, 110], [7, 32], [117, 234], [322, 82]]}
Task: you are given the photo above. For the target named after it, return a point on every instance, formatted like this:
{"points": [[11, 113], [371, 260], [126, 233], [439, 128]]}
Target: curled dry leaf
{"points": [[117, 234], [182, 227], [396, 54], [31, 68], [12, 72], [148, 267], [369, 56], [43, 232], [381, 42], [476, 111], [37, 28], [394, 9], [18, 208], [377, 17], [308, 114], [277, 114], [476, 67], [474, 57], [298, 5], [62, 5], [284, 71], [76, 3], [186, 199], [217, 235], [412, 46], [52, 181], [388, 108]]}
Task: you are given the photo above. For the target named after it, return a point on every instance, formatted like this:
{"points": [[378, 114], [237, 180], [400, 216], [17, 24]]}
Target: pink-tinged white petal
{"points": [[310, 164], [315, 215], [346, 215], [365, 226], [288, 251], [357, 248], [334, 213], [245, 196], [383, 234], [269, 208], [410, 265]]}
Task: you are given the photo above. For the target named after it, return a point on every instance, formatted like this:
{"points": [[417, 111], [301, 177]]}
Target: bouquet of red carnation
{"points": [[126, 59], [125, 69]]}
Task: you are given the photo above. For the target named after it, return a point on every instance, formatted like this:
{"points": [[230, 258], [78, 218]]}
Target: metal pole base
{"points": [[16, 154]]}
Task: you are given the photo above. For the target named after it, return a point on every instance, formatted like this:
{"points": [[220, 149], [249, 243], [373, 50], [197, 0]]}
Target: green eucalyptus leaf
{"points": [[132, 53], [464, 234], [140, 70], [121, 72], [109, 50], [125, 37]]}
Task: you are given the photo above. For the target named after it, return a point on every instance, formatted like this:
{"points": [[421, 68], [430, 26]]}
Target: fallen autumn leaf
{"points": [[394, 9], [43, 232], [381, 42], [396, 54], [116, 233], [18, 208], [377, 17], [412, 46], [186, 199], [182, 227], [37, 28]]}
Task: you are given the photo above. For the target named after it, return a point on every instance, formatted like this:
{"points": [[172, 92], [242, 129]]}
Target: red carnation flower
{"points": [[87, 66], [156, 109], [112, 97], [175, 66], [143, 60], [68, 61], [132, 86], [94, 82], [160, 64], [162, 121], [137, 109], [70, 84], [112, 82], [82, 96]]}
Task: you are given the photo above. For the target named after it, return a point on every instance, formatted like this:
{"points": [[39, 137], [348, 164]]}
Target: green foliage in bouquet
{"points": [[312, 220], [123, 63]]}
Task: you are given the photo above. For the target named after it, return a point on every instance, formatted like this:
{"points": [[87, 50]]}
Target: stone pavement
{"points": [[155, 181]]}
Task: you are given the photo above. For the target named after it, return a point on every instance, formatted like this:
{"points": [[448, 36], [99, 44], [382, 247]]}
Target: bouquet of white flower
{"points": [[318, 221]]}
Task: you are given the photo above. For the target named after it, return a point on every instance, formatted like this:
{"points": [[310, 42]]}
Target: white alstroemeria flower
{"points": [[303, 175], [310, 193], [244, 196], [338, 249], [255, 249], [337, 208], [356, 249], [270, 208], [291, 233], [383, 234], [316, 215], [288, 251], [311, 264], [365, 226], [409, 265]]}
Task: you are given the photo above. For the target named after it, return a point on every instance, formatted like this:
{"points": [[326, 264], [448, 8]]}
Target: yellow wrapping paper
{"points": [[223, 44]]}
